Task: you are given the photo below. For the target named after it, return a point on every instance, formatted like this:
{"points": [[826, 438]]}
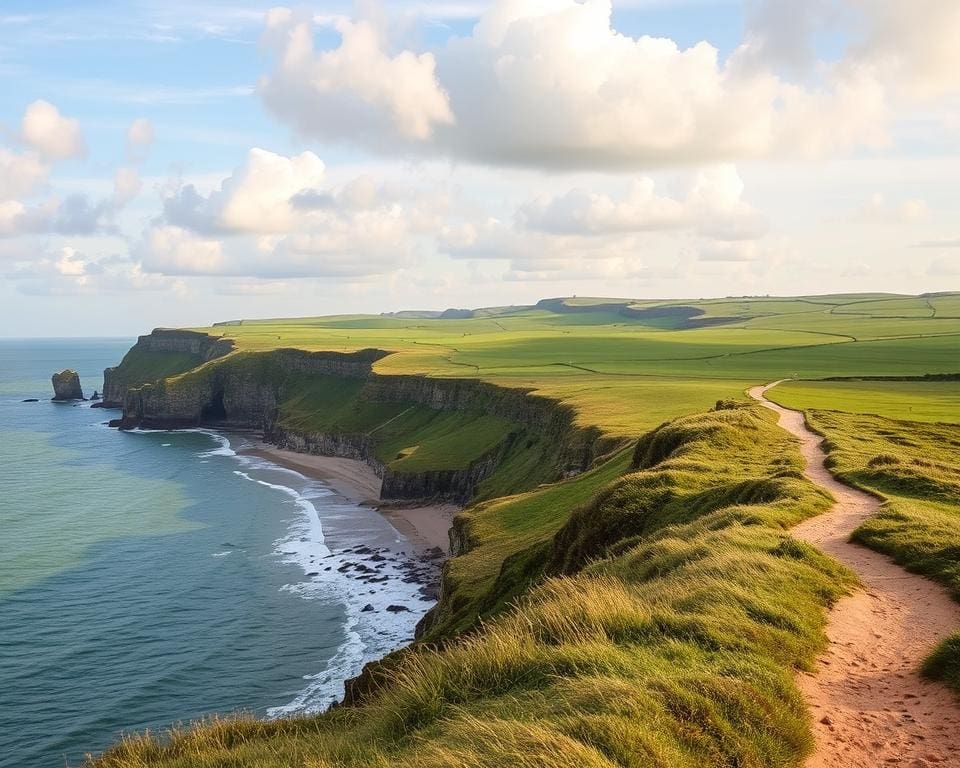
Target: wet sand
{"points": [[425, 525]]}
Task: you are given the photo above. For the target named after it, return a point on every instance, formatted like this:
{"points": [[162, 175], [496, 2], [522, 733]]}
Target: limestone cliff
{"points": [[160, 354], [66, 386], [255, 390]]}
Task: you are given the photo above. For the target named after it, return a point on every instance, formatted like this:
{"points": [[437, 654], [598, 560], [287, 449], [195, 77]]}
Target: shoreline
{"points": [[426, 525]]}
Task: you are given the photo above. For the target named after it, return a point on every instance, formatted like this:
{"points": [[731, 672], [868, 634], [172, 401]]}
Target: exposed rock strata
{"points": [[66, 386], [202, 346]]}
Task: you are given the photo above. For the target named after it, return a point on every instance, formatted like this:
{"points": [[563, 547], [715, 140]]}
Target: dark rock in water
{"points": [[31, 400], [66, 386], [367, 608], [397, 608], [314, 573], [95, 395]]}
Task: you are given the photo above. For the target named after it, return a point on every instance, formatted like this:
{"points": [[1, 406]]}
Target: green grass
{"points": [[139, 366], [675, 647], [929, 401]]}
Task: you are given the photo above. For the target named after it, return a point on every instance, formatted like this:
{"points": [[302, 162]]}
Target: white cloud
{"points": [[550, 83], [256, 198], [276, 216], [914, 42], [174, 251], [20, 174], [712, 207], [56, 137], [353, 87]]}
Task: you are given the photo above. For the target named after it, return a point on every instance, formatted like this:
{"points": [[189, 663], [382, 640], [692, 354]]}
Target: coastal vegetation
{"points": [[668, 640], [914, 467], [624, 589]]}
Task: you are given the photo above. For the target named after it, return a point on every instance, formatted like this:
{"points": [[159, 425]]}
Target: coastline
{"points": [[426, 525]]}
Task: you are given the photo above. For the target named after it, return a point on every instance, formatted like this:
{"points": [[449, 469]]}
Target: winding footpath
{"points": [[870, 706]]}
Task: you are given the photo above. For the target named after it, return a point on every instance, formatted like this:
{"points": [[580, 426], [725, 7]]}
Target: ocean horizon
{"points": [[150, 578]]}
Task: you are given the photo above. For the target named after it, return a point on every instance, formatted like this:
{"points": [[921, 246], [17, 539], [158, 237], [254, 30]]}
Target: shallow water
{"points": [[149, 578]]}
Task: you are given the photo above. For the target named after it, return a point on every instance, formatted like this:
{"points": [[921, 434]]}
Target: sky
{"points": [[172, 163]]}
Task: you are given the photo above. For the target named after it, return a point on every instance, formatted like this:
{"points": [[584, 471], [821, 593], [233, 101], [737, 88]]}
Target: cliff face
{"points": [[249, 390], [244, 390], [579, 445], [157, 355]]}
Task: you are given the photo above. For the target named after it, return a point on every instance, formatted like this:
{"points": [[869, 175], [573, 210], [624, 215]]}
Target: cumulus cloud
{"points": [[357, 86], [51, 134], [551, 83], [171, 250], [914, 42], [20, 174], [256, 198], [713, 207], [68, 272], [75, 214], [276, 216]]}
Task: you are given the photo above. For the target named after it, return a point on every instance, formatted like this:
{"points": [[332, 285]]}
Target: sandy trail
{"points": [[870, 706]]}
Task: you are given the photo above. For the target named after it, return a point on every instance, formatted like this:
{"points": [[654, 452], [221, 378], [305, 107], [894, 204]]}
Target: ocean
{"points": [[152, 578]]}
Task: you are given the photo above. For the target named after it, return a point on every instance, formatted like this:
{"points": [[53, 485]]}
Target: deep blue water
{"points": [[150, 578]]}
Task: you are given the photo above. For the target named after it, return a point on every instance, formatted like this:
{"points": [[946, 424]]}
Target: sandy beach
{"points": [[425, 525]]}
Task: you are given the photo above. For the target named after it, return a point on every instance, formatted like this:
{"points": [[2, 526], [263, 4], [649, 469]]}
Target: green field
{"points": [[627, 374], [651, 610]]}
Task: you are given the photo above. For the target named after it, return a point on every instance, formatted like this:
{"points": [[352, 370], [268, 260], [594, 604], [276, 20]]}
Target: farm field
{"points": [[627, 366]]}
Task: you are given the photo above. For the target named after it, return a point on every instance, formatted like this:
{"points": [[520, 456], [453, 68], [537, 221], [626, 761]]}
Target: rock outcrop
{"points": [[164, 350], [66, 386], [247, 390]]}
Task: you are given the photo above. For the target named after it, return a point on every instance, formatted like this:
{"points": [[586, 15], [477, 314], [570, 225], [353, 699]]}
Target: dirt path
{"points": [[869, 704]]}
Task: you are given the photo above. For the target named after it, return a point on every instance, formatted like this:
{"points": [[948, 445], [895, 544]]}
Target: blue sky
{"points": [[458, 153]]}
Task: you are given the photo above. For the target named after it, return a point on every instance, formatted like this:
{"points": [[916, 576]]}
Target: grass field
{"points": [[626, 374], [650, 611], [928, 401]]}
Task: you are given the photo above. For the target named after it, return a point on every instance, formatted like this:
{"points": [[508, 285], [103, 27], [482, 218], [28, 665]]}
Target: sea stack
{"points": [[66, 386]]}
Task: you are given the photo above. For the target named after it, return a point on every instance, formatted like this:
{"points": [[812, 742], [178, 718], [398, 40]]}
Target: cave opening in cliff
{"points": [[214, 410]]}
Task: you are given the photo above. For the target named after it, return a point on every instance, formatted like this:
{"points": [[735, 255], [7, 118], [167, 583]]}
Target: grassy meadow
{"points": [[651, 611]]}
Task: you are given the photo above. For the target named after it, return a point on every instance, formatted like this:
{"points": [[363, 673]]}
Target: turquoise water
{"points": [[149, 578]]}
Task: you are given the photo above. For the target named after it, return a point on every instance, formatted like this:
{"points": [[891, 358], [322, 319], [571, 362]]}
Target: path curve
{"points": [[870, 706]]}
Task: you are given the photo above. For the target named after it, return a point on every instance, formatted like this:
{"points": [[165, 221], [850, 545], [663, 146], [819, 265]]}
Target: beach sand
{"points": [[425, 525]]}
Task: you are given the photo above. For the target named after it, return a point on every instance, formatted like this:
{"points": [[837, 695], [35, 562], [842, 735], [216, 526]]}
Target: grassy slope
{"points": [[409, 437], [138, 366], [676, 650]]}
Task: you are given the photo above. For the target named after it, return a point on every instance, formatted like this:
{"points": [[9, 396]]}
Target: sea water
{"points": [[151, 578]]}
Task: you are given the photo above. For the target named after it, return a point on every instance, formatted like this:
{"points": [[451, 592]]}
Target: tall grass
{"points": [[672, 646]]}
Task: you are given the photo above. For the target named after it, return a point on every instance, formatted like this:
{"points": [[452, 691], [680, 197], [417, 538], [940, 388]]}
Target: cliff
{"points": [[428, 438], [158, 355]]}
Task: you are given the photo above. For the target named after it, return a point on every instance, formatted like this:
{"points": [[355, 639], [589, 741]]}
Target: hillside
{"points": [[624, 590]]}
